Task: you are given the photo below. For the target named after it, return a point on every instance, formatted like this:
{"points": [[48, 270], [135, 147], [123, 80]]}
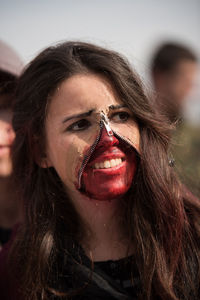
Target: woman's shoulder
{"points": [[8, 286]]}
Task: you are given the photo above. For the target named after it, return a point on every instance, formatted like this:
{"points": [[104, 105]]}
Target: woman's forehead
{"points": [[83, 93]]}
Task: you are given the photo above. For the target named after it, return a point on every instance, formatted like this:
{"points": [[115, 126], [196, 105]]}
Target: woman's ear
{"points": [[41, 158]]}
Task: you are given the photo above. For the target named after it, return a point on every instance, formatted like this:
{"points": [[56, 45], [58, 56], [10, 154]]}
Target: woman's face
{"points": [[7, 136], [91, 138]]}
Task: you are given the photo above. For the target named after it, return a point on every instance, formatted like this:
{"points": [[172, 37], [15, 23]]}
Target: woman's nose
{"points": [[7, 134], [107, 140]]}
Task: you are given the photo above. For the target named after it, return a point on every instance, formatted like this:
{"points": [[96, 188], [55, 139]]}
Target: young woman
{"points": [[105, 216], [10, 68]]}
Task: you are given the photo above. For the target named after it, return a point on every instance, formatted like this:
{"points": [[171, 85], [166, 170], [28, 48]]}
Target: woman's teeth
{"points": [[108, 164]]}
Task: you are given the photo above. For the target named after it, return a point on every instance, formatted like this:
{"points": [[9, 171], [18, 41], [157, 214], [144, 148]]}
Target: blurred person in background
{"points": [[174, 69], [10, 67]]}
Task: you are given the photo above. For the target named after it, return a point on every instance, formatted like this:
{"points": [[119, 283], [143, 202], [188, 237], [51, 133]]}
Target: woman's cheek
{"points": [[79, 162], [75, 149], [75, 153]]}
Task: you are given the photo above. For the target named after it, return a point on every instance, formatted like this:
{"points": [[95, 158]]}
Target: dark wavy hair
{"points": [[161, 218]]}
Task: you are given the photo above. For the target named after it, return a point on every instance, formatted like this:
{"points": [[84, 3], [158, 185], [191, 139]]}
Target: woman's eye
{"points": [[120, 117], [79, 125]]}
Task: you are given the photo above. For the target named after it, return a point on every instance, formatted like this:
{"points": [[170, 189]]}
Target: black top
{"points": [[99, 280], [123, 272], [4, 235]]}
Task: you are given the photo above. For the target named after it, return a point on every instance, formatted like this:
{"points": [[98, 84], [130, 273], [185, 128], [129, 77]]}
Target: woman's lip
{"points": [[4, 146]]}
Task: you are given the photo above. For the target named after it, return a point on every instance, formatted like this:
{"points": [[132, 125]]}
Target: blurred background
{"points": [[135, 28]]}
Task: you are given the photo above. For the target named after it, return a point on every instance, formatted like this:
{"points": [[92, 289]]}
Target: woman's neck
{"points": [[104, 236], [9, 206]]}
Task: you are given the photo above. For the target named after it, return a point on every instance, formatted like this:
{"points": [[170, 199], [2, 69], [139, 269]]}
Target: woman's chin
{"points": [[5, 168], [106, 194]]}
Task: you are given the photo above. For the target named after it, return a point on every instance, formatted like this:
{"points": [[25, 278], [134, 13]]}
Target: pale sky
{"points": [[132, 27]]}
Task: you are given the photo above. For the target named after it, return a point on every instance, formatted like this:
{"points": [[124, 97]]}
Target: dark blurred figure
{"points": [[174, 69], [173, 72], [10, 67]]}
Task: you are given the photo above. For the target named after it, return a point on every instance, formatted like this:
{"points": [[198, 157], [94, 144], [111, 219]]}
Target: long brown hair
{"points": [[161, 220]]}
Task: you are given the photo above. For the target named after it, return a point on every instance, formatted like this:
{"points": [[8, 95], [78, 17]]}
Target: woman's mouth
{"points": [[107, 164], [110, 169], [4, 149], [109, 175]]}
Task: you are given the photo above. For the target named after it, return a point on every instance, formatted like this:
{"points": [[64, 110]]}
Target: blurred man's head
{"points": [[173, 71], [10, 67]]}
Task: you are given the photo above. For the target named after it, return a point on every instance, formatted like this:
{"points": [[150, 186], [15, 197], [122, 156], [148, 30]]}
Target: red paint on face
{"points": [[109, 183]]}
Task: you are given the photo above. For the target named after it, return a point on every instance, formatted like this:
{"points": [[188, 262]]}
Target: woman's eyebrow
{"points": [[117, 106], [81, 115]]}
